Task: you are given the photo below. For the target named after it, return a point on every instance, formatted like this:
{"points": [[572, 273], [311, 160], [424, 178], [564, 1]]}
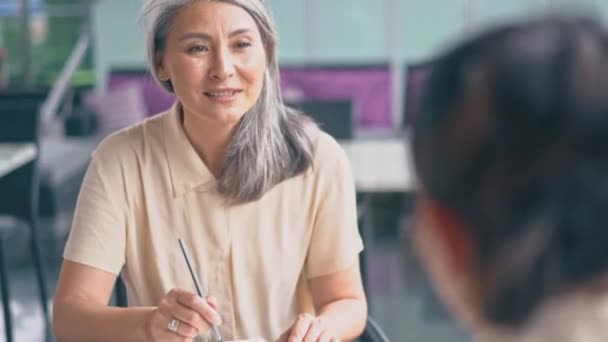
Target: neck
{"points": [[209, 138]]}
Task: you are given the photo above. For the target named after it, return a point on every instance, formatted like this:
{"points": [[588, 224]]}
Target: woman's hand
{"points": [[307, 328], [181, 316]]}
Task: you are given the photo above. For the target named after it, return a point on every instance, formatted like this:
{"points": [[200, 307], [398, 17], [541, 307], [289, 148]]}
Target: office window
{"points": [[54, 27]]}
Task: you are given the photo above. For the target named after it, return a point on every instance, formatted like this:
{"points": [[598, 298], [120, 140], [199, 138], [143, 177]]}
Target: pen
{"points": [[197, 284]]}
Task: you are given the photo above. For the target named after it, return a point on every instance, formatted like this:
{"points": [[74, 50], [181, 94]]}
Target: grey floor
{"points": [[400, 298]]}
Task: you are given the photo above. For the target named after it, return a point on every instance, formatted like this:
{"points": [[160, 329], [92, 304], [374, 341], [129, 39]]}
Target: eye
{"points": [[243, 45], [197, 49]]}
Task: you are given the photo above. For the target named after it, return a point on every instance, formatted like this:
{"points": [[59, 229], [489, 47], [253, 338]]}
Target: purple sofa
{"points": [[155, 98]]}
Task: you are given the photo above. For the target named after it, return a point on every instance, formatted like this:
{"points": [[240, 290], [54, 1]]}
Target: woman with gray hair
{"points": [[263, 198]]}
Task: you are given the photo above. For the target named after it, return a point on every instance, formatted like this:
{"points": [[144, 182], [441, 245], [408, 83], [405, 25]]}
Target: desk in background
{"points": [[13, 156], [381, 165]]}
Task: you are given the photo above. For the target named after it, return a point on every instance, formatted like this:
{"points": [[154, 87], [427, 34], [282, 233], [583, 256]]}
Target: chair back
{"points": [[373, 332]]}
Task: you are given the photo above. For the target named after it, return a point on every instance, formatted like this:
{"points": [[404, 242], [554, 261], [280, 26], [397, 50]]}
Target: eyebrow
{"points": [[204, 36]]}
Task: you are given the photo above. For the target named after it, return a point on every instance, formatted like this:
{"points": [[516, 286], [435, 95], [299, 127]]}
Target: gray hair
{"points": [[273, 142]]}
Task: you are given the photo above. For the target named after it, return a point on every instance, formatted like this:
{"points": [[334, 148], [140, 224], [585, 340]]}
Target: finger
{"points": [[201, 306], [212, 301], [173, 337], [184, 331], [283, 338], [175, 292], [300, 328], [168, 299], [171, 308], [314, 331], [326, 337], [189, 316]]}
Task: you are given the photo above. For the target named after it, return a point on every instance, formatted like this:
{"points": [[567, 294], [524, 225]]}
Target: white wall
{"points": [[331, 30], [119, 38]]}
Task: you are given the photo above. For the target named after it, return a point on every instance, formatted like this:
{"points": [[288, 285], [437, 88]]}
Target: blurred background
{"points": [[73, 71]]}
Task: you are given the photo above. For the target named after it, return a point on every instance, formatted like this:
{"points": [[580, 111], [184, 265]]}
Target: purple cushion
{"points": [[118, 108], [155, 98]]}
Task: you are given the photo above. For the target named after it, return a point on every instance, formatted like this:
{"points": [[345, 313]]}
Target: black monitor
{"points": [[416, 76], [335, 117]]}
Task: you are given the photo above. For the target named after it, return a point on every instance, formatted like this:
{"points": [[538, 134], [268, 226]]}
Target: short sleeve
{"points": [[335, 242], [98, 234]]}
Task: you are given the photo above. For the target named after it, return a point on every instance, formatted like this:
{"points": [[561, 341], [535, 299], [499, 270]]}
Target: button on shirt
{"points": [[146, 187]]}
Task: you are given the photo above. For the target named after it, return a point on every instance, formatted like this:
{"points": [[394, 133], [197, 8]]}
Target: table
{"points": [[15, 155], [381, 165]]}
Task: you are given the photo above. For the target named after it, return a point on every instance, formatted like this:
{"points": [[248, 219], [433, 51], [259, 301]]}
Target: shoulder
{"points": [[330, 160], [122, 146], [327, 150]]}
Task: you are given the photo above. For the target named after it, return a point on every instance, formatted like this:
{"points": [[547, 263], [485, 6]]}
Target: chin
{"points": [[226, 114], [230, 118]]}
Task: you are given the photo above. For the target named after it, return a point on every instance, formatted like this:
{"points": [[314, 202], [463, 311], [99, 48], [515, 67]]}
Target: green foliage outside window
{"points": [[48, 56]]}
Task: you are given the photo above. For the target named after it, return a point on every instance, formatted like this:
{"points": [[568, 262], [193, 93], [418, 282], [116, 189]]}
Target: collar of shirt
{"points": [[188, 171]]}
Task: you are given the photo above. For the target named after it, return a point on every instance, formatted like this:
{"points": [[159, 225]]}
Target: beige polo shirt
{"points": [[146, 187]]}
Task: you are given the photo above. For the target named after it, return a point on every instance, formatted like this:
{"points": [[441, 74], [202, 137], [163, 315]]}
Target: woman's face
{"points": [[215, 59]]}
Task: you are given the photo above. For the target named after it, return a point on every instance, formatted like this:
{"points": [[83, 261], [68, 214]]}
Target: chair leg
{"points": [[6, 297], [364, 222], [39, 265]]}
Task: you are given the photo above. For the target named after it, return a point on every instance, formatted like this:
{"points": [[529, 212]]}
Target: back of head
{"points": [[512, 137]]}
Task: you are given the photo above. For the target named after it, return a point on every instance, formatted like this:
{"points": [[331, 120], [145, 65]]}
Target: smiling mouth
{"points": [[222, 94]]}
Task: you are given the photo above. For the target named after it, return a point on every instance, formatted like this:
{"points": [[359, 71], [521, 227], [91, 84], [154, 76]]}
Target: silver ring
{"points": [[173, 324]]}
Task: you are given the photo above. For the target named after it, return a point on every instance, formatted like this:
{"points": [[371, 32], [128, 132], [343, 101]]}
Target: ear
{"points": [[448, 229], [162, 73]]}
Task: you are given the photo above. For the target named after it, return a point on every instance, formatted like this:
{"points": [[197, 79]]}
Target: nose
{"points": [[222, 66]]}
